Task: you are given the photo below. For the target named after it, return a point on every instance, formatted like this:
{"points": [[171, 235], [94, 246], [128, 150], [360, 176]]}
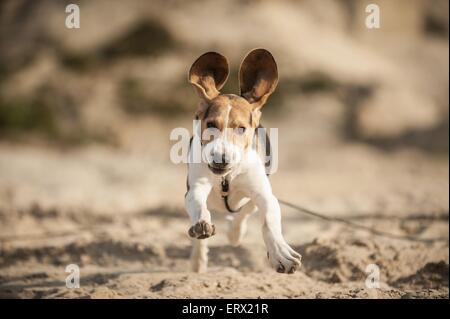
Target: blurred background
{"points": [[85, 117]]}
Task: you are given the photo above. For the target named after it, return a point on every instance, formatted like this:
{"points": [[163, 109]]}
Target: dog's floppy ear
{"points": [[258, 77], [208, 74]]}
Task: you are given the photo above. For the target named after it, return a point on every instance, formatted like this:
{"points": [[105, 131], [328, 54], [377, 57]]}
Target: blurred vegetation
{"points": [[311, 83], [19, 117], [26, 115], [136, 101], [436, 23], [113, 72], [147, 38], [3, 72]]}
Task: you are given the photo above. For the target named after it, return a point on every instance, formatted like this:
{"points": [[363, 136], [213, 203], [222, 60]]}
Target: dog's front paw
{"points": [[202, 230], [283, 258]]}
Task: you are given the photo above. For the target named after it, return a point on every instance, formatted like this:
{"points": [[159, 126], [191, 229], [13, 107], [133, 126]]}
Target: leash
{"points": [[225, 185], [359, 226], [225, 189]]}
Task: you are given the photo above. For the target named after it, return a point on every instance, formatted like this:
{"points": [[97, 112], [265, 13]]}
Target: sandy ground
{"points": [[118, 212], [119, 215]]}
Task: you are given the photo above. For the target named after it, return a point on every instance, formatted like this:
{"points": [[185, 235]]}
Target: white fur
{"points": [[249, 189]]}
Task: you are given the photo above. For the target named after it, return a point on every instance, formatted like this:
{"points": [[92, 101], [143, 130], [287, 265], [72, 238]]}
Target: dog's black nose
{"points": [[220, 161]]}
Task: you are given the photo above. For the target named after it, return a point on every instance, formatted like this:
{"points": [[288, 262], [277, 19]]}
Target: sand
{"points": [[363, 135], [120, 218]]}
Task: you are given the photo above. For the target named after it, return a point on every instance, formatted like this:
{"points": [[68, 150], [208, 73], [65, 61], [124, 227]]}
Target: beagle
{"points": [[231, 177]]}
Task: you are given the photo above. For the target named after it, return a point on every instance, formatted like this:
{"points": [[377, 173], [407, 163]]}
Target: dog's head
{"points": [[228, 121]]}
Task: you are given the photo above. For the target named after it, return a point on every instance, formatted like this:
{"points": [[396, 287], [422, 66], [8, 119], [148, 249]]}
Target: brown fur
{"points": [[240, 116], [258, 78]]}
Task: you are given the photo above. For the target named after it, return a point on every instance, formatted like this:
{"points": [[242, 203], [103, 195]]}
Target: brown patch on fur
{"points": [[258, 76], [239, 117], [208, 74]]}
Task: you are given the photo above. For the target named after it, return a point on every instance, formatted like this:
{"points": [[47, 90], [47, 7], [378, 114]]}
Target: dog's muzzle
{"points": [[220, 163], [221, 156]]}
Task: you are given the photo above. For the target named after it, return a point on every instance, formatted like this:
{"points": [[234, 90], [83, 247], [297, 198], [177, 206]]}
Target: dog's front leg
{"points": [[197, 209], [201, 228], [281, 256]]}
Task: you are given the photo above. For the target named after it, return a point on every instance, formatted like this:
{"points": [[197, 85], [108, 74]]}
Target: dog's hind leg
{"points": [[199, 255], [237, 224]]}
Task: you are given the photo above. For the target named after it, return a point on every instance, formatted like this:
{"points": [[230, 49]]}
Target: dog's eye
{"points": [[210, 125], [240, 130]]}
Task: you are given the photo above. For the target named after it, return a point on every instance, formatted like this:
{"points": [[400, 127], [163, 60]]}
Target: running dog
{"points": [[231, 177]]}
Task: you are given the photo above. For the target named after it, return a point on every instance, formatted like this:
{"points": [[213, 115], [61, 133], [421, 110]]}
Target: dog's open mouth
{"points": [[218, 170]]}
